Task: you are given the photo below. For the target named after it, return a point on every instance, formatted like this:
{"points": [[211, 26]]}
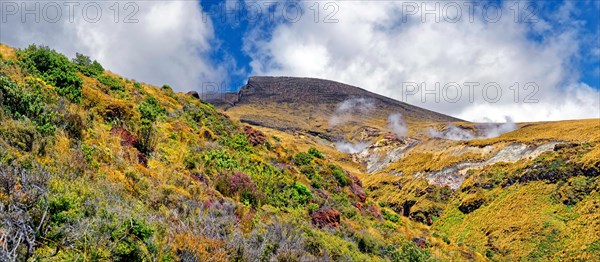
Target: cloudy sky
{"points": [[478, 61]]}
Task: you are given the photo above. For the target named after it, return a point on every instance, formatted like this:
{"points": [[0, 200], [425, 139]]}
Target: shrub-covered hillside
{"points": [[94, 166]]}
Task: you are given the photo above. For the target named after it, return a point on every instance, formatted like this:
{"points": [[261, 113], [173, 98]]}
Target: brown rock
{"points": [[326, 217], [375, 212], [357, 189], [127, 138], [420, 241], [194, 94], [256, 137]]}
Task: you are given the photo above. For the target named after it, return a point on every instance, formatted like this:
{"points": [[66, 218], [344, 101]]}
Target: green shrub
{"points": [[132, 241], [150, 109], [302, 159], [312, 207], [113, 83], [390, 215], [86, 66], [339, 175], [146, 137], [315, 153], [237, 142], [300, 194], [55, 69], [27, 103]]}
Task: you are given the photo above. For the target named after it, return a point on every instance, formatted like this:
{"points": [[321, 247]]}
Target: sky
{"points": [[479, 61]]}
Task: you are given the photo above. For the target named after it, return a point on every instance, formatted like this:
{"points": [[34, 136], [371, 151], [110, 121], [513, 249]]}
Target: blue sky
{"points": [[230, 33], [545, 64]]}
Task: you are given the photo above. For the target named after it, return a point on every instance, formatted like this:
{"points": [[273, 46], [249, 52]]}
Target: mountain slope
{"points": [[528, 192], [94, 166], [313, 105]]}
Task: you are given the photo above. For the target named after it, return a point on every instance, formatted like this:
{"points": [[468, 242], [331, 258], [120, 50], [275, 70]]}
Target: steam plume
{"points": [[351, 148], [349, 107], [397, 124], [486, 130]]}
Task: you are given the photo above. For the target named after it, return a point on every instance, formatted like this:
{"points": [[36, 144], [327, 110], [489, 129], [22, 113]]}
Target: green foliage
{"points": [[150, 109], [27, 103], [339, 175], [302, 159], [113, 83], [576, 189], [390, 215], [132, 241], [313, 207], [86, 66], [315, 153], [55, 69], [301, 194], [216, 160], [237, 142]]}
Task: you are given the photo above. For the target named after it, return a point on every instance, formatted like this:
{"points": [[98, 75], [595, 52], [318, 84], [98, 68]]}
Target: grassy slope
{"points": [[524, 221], [106, 197]]}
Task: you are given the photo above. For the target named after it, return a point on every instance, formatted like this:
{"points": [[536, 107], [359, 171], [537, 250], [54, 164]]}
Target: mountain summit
{"points": [[317, 105]]}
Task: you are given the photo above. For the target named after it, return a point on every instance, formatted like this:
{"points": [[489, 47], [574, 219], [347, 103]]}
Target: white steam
{"points": [[351, 148], [349, 107], [452, 133], [494, 130], [486, 130], [397, 124]]}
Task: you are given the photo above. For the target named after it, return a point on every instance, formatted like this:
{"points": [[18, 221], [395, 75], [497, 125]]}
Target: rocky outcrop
{"points": [[420, 242], [193, 94], [127, 138], [453, 176], [471, 204], [326, 217], [256, 137], [357, 188], [384, 152]]}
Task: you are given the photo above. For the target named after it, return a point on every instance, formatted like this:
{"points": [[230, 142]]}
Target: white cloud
{"points": [[373, 48], [169, 44]]}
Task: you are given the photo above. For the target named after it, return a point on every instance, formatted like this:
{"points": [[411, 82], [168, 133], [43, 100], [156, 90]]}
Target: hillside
{"points": [[313, 105], [506, 191], [95, 166]]}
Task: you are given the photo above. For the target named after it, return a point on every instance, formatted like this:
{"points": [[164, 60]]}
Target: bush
{"points": [[55, 69], [237, 142], [150, 109], [28, 103], [339, 175], [146, 137], [389, 215], [315, 153], [132, 241], [86, 66], [239, 185], [302, 159], [301, 194], [113, 83]]}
